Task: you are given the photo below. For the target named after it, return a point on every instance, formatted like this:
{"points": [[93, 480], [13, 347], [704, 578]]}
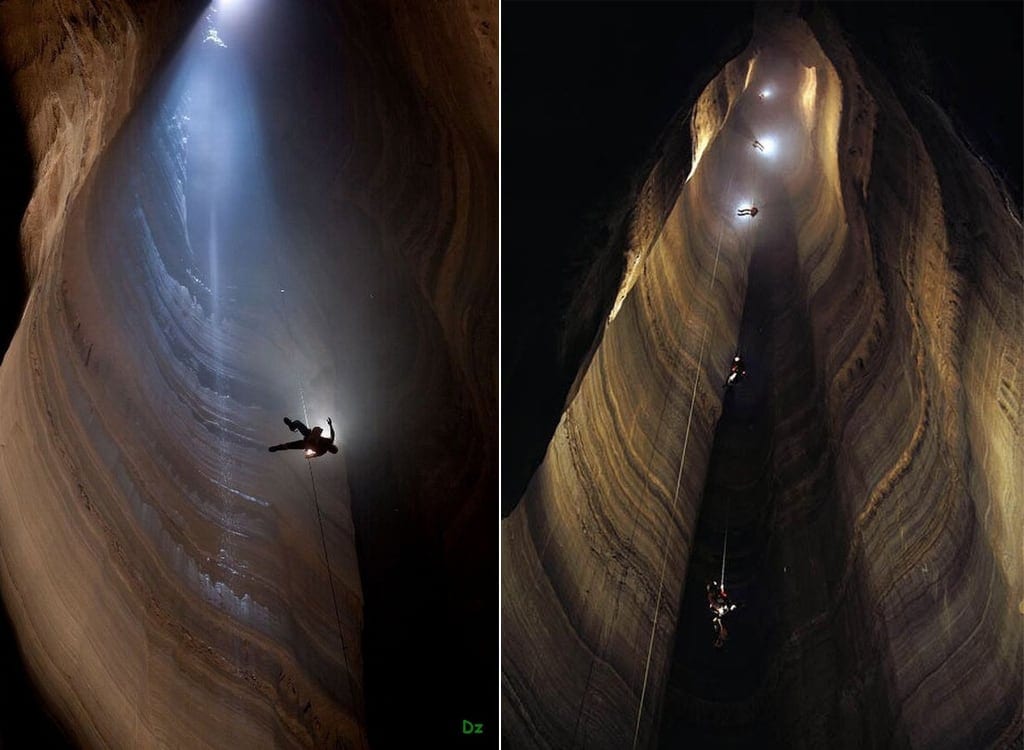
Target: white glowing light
{"points": [[230, 9], [310, 451], [769, 146], [213, 36], [765, 93]]}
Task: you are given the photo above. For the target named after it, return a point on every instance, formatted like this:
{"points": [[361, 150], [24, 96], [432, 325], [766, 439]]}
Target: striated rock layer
{"points": [[295, 215], [869, 473]]}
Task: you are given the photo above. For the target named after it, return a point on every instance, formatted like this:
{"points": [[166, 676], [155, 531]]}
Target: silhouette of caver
{"points": [[752, 211], [313, 442]]}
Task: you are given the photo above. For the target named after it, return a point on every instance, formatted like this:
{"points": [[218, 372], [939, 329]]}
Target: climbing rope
{"points": [[330, 574], [725, 546], [334, 596], [679, 476]]}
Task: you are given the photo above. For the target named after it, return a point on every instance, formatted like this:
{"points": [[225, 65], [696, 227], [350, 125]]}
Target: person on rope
{"points": [[313, 441], [720, 605], [758, 145], [752, 211], [736, 371]]}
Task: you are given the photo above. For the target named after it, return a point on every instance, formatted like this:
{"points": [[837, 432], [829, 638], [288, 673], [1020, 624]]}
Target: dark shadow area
{"points": [[966, 56], [17, 190], [24, 718]]}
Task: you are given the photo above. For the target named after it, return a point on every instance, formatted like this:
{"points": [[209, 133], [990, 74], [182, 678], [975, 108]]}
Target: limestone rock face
{"points": [[293, 214], [868, 472]]}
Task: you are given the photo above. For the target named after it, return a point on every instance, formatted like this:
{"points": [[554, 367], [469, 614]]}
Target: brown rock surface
{"points": [[869, 472], [164, 574]]}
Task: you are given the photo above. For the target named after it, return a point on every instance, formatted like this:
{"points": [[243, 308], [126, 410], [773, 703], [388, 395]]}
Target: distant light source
{"points": [[769, 146], [229, 10], [765, 94]]}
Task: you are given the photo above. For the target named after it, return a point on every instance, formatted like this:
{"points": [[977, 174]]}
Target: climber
{"points": [[720, 605], [314, 443], [721, 634], [736, 371], [752, 211], [758, 145]]}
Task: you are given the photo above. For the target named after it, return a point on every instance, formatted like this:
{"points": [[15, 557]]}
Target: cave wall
{"points": [[891, 563], [76, 70], [155, 565]]}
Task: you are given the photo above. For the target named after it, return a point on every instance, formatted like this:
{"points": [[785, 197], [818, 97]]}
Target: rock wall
{"points": [[164, 574], [870, 504]]}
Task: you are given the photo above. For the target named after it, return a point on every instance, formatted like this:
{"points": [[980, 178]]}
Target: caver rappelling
{"points": [[737, 371], [720, 605], [313, 441]]}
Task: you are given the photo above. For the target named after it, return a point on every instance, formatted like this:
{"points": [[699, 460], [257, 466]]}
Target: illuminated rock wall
{"points": [[886, 538], [164, 574]]}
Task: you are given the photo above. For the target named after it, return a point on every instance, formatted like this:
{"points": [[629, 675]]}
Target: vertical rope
{"points": [[725, 546], [679, 477], [334, 598]]}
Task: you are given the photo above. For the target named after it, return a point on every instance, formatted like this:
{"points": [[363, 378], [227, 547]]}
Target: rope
{"points": [[725, 546], [643, 492], [280, 305], [334, 598], [679, 477]]}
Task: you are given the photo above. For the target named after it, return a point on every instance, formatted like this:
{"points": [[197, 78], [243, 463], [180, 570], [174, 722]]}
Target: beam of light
{"points": [[233, 14], [229, 6]]}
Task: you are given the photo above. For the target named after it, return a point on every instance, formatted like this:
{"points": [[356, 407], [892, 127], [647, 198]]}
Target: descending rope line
{"points": [[330, 577], [625, 569], [679, 477], [728, 497], [334, 598], [725, 545], [286, 322], [675, 498], [643, 492]]}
